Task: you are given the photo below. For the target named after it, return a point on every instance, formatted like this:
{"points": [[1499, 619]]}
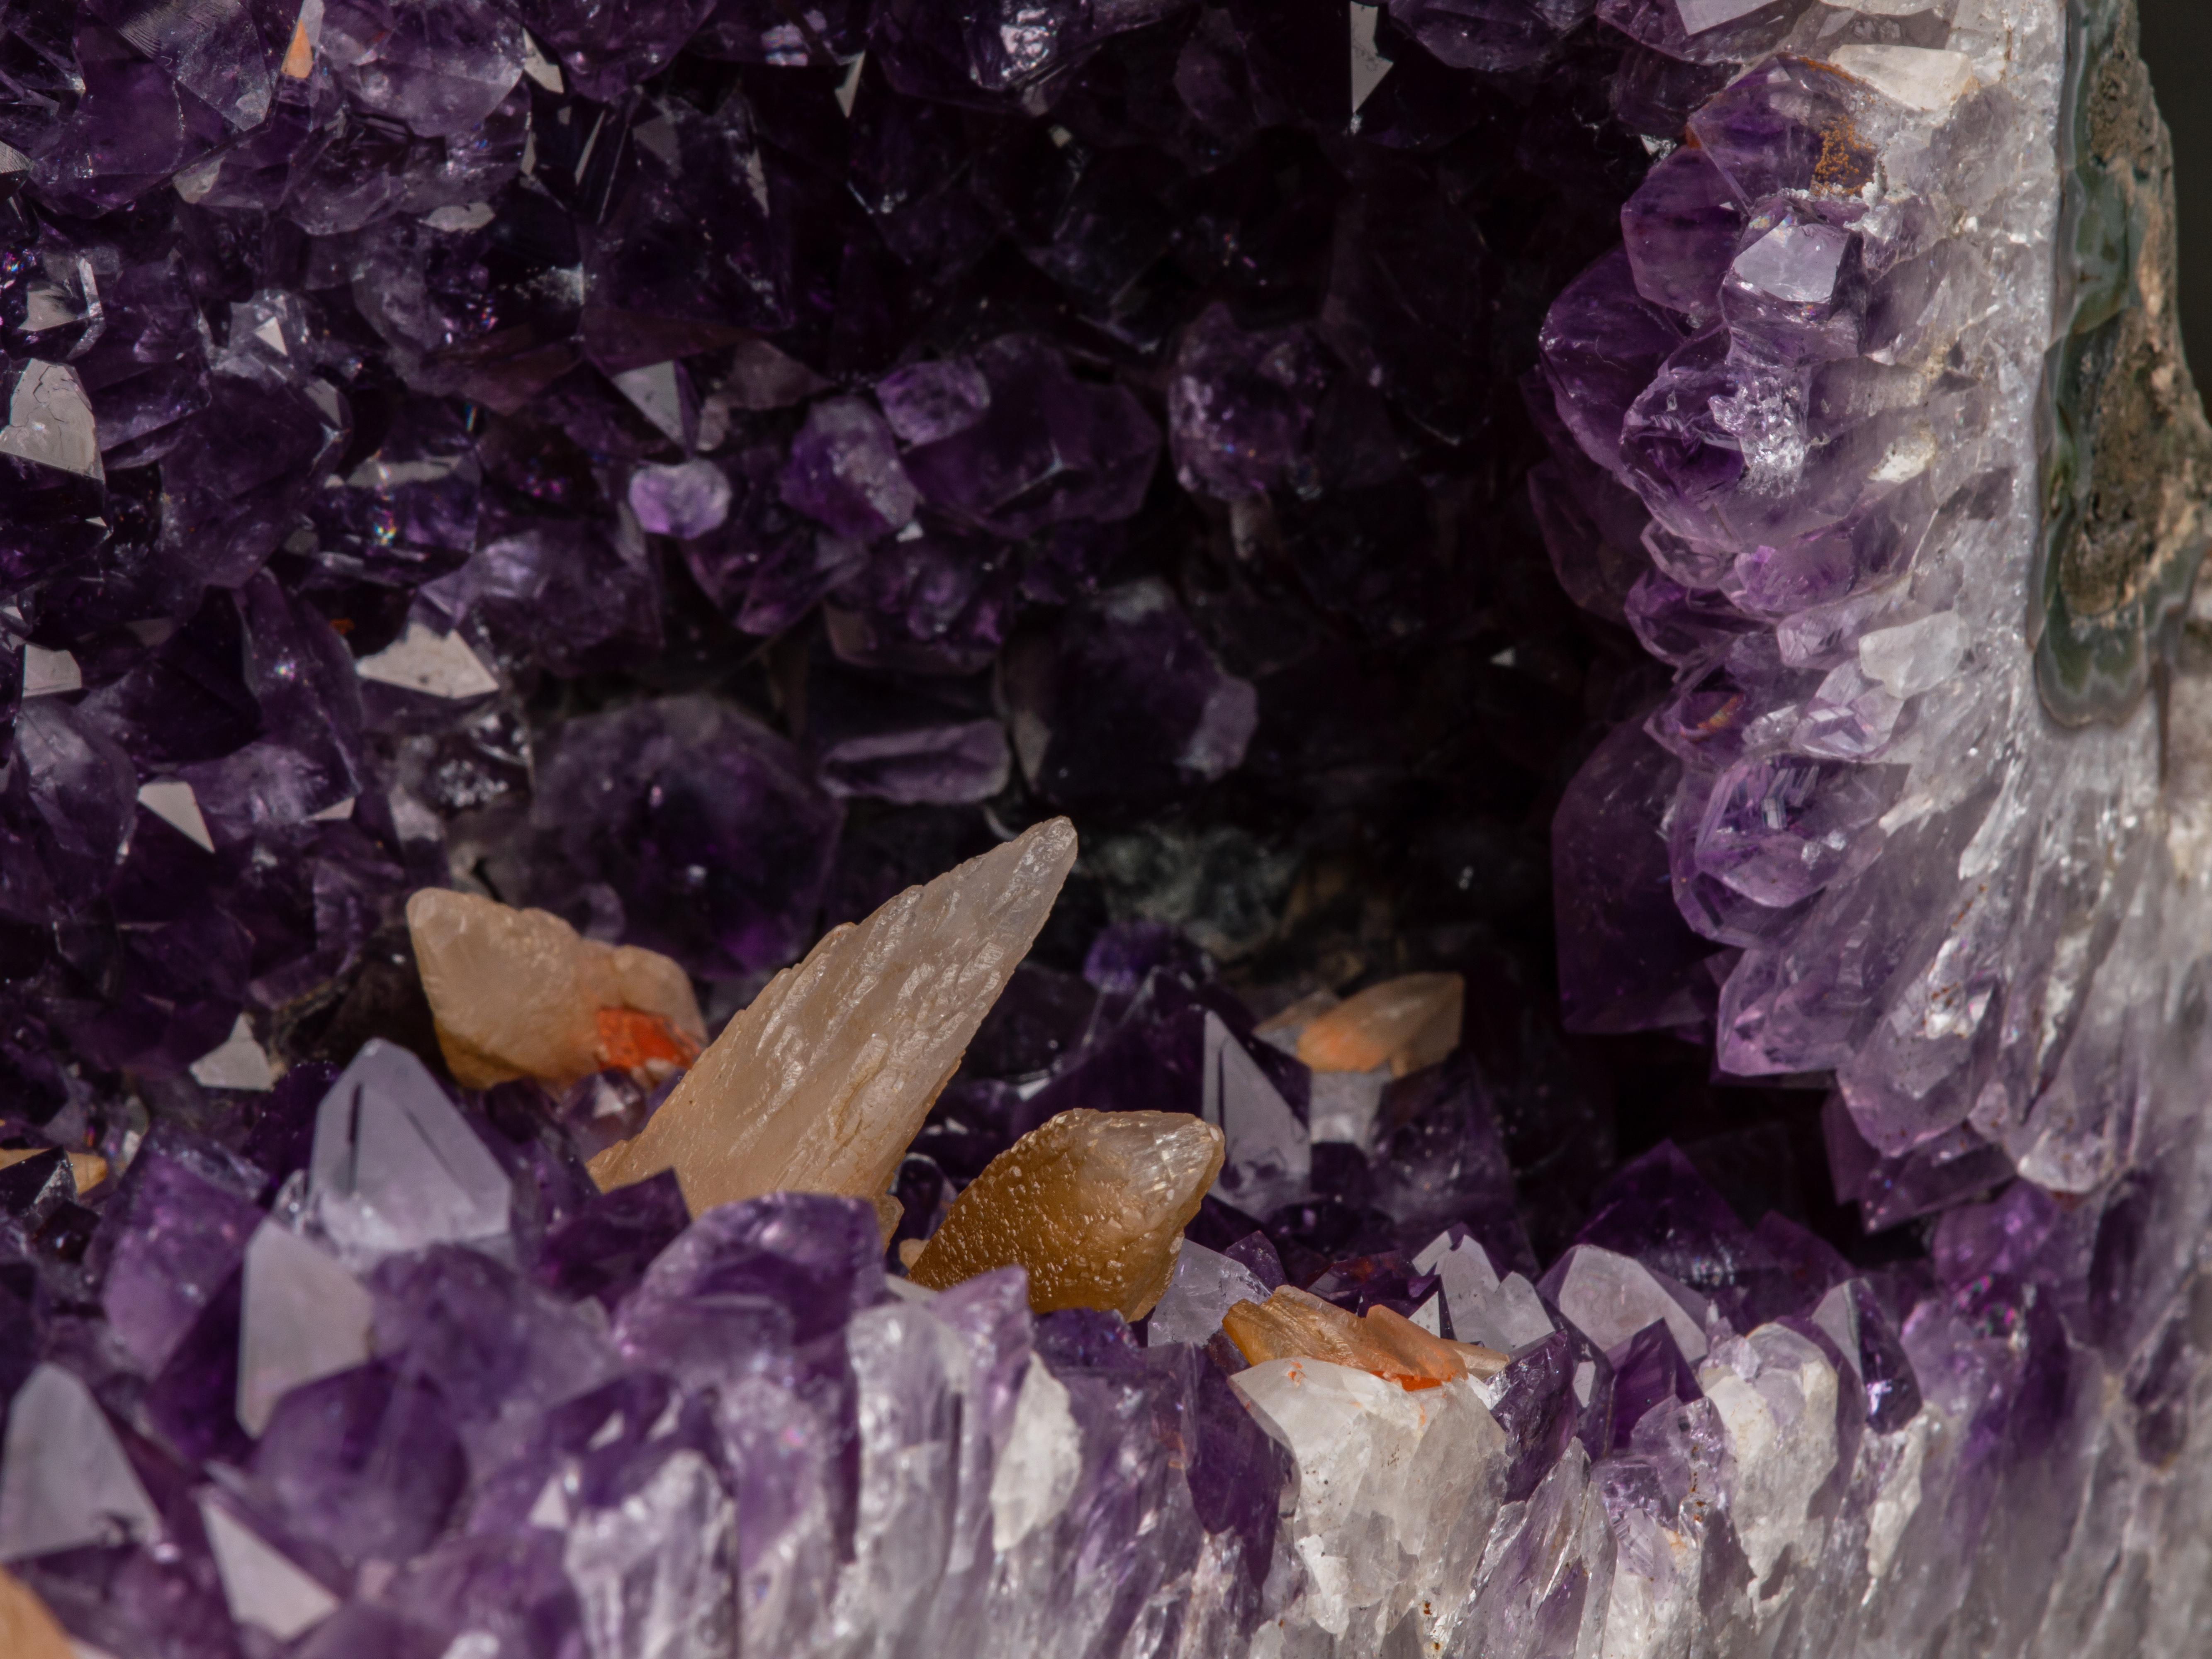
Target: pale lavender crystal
{"points": [[1602, 342], [928, 401], [1681, 229], [396, 1167], [688, 499], [1778, 829], [67, 1481], [1849, 718], [440, 68], [1049, 449], [844, 470], [1241, 405], [1798, 287], [1704, 31]]}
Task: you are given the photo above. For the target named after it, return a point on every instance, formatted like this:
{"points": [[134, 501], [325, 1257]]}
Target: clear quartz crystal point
{"points": [[822, 1083], [1205, 1287], [396, 1167], [1269, 1157], [262, 1586]]}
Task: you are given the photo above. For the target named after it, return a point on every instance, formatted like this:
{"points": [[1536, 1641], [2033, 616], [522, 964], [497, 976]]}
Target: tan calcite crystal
{"points": [[521, 993], [822, 1083], [1294, 1324], [87, 1169], [1093, 1204], [1406, 1023], [27, 1630]]}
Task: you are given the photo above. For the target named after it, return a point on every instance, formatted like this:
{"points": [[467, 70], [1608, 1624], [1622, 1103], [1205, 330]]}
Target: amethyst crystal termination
{"points": [[1693, 503]]}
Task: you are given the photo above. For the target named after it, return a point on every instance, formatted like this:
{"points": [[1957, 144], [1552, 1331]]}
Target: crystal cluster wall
{"points": [[1541, 658]]}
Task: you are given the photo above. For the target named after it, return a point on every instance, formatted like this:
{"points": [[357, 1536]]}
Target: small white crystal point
{"points": [[64, 1480], [237, 1062], [1611, 1297], [262, 1586], [435, 665], [49, 673], [1919, 77], [305, 1317], [1269, 1156], [174, 803]]}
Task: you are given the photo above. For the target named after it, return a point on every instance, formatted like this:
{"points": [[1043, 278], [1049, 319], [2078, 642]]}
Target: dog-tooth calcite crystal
{"points": [[1091, 1204], [820, 1085]]}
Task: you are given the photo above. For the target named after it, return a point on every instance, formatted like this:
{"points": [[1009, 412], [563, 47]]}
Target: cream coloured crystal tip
{"points": [[1295, 1324], [1406, 1023], [521, 993], [1093, 1204], [822, 1083], [27, 1630]]}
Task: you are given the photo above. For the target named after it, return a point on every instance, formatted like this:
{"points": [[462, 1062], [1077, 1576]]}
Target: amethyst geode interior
{"points": [[1670, 509]]}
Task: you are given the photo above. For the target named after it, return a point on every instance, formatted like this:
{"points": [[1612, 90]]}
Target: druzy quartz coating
{"points": [[1155, 827]]}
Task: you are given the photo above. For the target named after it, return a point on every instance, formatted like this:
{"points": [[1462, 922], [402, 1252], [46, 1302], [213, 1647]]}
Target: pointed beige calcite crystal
{"points": [[1406, 1023], [1093, 1204], [1295, 1324], [822, 1083], [27, 1630], [521, 993]]}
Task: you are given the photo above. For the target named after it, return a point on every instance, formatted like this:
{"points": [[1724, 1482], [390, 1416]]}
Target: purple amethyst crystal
{"points": [[844, 470], [438, 68], [1049, 449], [173, 1235], [1130, 702], [1240, 406], [363, 1463], [701, 823]]}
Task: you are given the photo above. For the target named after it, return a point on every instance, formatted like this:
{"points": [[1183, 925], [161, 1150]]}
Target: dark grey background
{"points": [[2177, 43]]}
